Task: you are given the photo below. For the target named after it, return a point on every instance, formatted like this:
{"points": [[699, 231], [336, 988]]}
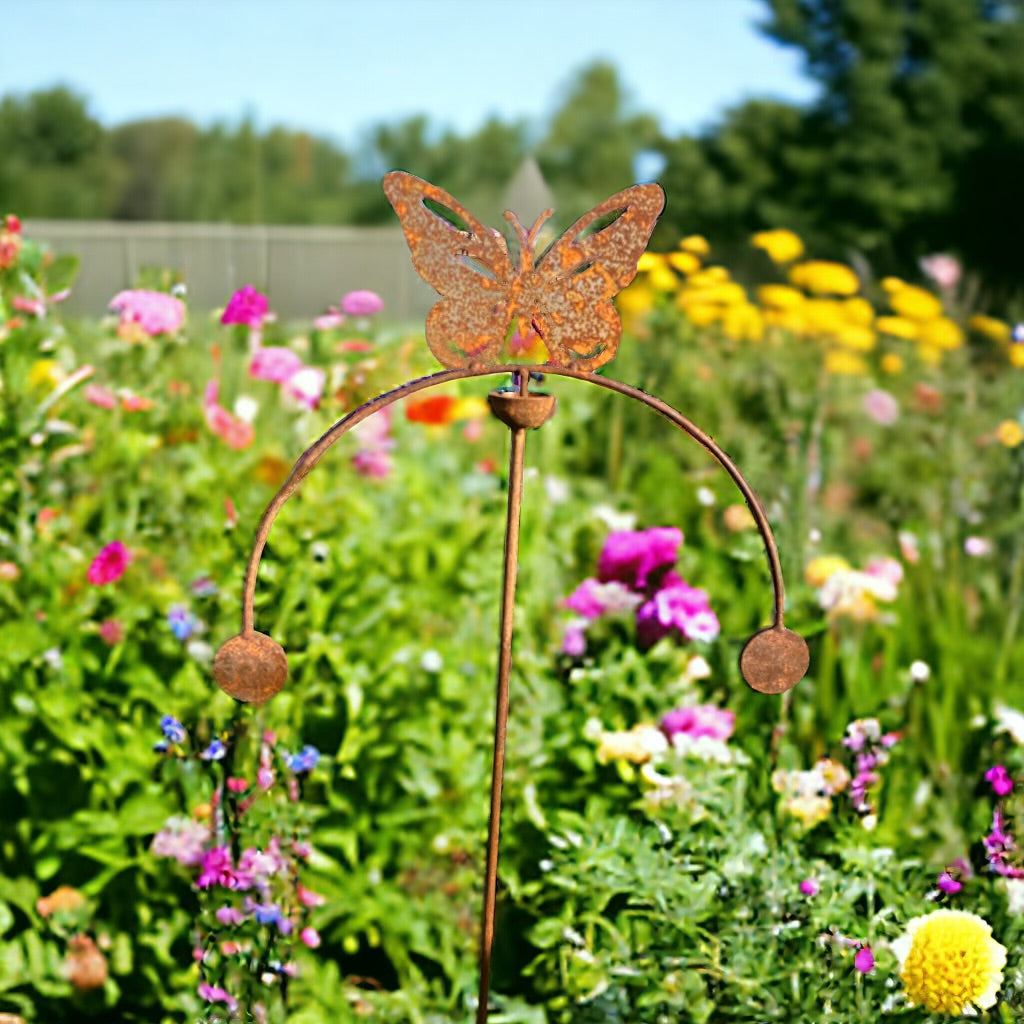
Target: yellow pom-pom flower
{"points": [[989, 327], [781, 245], [821, 277], [949, 962], [697, 244], [914, 302], [1010, 433]]}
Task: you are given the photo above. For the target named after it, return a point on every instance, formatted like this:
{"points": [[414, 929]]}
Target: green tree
{"points": [[921, 121]]}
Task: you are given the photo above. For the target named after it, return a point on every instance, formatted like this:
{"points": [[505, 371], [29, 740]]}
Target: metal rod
{"points": [[508, 600]]}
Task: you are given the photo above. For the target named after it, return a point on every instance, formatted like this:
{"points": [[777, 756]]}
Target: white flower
{"points": [[1011, 721], [919, 671]]}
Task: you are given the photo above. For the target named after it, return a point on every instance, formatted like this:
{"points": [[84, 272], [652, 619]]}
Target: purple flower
{"points": [[229, 915], [182, 623], [216, 994], [1000, 778], [634, 556], [948, 884], [677, 608], [810, 887], [699, 720], [864, 960], [172, 729], [217, 869], [247, 306], [362, 303], [304, 761], [215, 751]]}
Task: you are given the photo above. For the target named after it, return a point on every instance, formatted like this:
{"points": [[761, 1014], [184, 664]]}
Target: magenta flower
{"points": [[699, 720], [676, 609], [634, 556], [1000, 778], [574, 639], [362, 303], [373, 459], [217, 869], [216, 994], [98, 395], [948, 884], [310, 936], [155, 312], [247, 306], [864, 960], [109, 565], [592, 598], [810, 887], [274, 363]]}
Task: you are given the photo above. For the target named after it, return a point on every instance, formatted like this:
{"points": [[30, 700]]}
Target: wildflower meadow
{"points": [[675, 846]]}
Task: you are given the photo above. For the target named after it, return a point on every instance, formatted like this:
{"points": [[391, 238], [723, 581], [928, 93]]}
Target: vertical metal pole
{"points": [[508, 600]]}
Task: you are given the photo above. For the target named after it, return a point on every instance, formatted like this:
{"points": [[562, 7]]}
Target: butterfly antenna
{"points": [[525, 248]]}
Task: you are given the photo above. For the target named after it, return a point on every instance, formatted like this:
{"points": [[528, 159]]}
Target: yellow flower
{"points": [[892, 363], [855, 337], [662, 278], [893, 284], [727, 293], [941, 333], [819, 569], [684, 262], [823, 278], [779, 296], [697, 244], [859, 311], [701, 314], [1010, 433], [781, 245], [845, 364], [743, 322], [989, 327], [1017, 355], [637, 745], [45, 375], [636, 299], [949, 962], [897, 326], [649, 260], [914, 302], [709, 276]]}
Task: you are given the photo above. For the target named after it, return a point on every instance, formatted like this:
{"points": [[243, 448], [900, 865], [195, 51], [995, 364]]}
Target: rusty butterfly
{"points": [[562, 297]]}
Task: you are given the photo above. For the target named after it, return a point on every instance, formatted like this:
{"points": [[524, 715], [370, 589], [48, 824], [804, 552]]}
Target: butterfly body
{"points": [[564, 296]]}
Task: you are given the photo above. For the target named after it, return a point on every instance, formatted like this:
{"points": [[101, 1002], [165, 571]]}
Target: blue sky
{"points": [[336, 67]]}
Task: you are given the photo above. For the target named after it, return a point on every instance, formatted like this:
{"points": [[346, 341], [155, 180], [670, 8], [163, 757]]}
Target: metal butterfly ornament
{"points": [[563, 298]]}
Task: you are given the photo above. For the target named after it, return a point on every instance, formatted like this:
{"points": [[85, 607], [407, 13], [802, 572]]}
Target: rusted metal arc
{"points": [[312, 455]]}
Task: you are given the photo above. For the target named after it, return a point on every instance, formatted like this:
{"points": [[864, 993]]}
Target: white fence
{"points": [[303, 270]]}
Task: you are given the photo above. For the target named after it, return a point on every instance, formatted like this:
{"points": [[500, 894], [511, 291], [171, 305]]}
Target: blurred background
{"points": [[877, 131]]}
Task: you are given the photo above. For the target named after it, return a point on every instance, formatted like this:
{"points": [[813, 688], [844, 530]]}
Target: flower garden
{"points": [[675, 847]]}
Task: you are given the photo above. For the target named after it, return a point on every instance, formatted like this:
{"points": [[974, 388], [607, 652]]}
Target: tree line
{"points": [[915, 144]]}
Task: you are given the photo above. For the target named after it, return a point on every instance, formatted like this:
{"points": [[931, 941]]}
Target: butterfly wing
{"points": [[571, 288], [470, 268]]}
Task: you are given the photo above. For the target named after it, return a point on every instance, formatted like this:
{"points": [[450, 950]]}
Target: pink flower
{"points": [[362, 303], [231, 429], [810, 887], [307, 898], [274, 363], [330, 320], [881, 407], [592, 598], [247, 306], [887, 569], [154, 312], [229, 915], [111, 632], [634, 556], [306, 386], [310, 936], [183, 839], [373, 459], [98, 395], [943, 269], [1000, 778], [217, 869], [977, 547], [236, 785], [676, 608], [109, 565], [864, 960], [699, 720], [574, 639], [216, 994]]}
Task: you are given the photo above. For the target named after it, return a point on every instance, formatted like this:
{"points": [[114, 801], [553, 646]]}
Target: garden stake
{"points": [[563, 301]]}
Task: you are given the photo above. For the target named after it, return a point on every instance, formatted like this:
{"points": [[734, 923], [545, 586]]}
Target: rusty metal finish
{"points": [[518, 424], [251, 667], [563, 296]]}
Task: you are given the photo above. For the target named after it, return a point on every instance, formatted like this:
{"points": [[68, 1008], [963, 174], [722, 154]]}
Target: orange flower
{"points": [[85, 966], [64, 898], [435, 411]]}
